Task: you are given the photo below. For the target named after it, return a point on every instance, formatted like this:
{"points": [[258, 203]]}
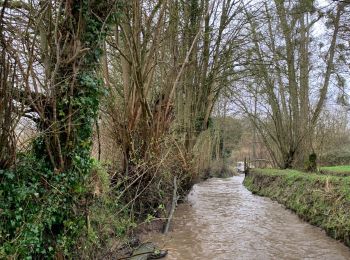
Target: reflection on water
{"points": [[223, 220]]}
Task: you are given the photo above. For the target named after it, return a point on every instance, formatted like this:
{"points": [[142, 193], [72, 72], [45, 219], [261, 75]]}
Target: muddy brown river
{"points": [[223, 220]]}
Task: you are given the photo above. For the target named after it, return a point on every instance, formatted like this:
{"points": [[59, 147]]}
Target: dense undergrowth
{"points": [[44, 214], [89, 215], [322, 200], [219, 169]]}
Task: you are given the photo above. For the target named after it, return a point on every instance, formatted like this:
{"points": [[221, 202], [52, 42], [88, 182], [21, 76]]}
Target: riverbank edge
{"points": [[321, 200]]}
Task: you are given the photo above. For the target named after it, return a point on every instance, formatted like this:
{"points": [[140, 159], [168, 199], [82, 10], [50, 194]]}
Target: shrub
{"points": [[42, 213], [333, 158], [36, 211]]}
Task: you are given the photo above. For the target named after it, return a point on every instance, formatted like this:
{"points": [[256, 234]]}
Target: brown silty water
{"points": [[223, 220]]}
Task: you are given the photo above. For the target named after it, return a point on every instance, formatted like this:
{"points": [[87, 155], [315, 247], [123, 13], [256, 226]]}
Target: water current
{"points": [[223, 220]]}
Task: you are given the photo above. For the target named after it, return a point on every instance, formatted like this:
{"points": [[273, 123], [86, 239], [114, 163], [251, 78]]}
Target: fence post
{"points": [[246, 167]]}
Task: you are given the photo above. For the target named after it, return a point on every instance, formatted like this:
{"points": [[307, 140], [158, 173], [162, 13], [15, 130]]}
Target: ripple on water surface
{"points": [[223, 220]]}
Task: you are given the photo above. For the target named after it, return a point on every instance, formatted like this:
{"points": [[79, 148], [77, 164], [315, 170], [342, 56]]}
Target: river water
{"points": [[223, 220]]}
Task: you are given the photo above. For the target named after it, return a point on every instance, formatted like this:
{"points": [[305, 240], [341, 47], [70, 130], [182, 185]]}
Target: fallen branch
{"points": [[173, 206]]}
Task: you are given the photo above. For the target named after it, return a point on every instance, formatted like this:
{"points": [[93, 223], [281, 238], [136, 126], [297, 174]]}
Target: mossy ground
{"points": [[322, 200]]}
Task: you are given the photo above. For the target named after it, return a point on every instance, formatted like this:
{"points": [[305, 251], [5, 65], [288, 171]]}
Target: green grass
{"points": [[341, 170], [323, 200]]}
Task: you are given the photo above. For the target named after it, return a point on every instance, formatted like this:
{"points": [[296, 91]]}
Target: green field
{"points": [[340, 170]]}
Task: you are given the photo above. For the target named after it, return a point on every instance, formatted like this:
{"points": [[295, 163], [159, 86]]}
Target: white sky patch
{"points": [[320, 27]]}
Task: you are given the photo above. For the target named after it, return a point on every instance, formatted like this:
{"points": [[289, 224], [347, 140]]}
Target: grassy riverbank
{"points": [[341, 170], [322, 200]]}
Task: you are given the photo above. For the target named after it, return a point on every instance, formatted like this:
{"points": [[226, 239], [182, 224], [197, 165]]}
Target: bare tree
{"points": [[279, 62]]}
